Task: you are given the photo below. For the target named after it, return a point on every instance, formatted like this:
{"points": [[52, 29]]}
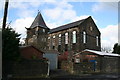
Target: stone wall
{"points": [[29, 68], [110, 65], [67, 66], [102, 65], [77, 68], [83, 67]]}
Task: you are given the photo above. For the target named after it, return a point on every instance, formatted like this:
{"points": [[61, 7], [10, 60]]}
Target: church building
{"points": [[75, 36]]}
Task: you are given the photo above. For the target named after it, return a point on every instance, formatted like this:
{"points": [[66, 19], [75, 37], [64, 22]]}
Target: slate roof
{"points": [[66, 26], [39, 21]]}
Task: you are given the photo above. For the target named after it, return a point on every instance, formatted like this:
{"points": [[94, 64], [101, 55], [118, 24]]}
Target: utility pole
{"points": [[5, 14]]}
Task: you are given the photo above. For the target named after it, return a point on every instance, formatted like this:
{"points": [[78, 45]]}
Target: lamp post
{"points": [[5, 14]]}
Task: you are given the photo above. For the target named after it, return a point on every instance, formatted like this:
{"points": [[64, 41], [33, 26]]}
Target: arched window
{"points": [[48, 37], [59, 46], [43, 30], [53, 40], [59, 35], [97, 43], [59, 39], [66, 38], [84, 37], [53, 37], [74, 36]]}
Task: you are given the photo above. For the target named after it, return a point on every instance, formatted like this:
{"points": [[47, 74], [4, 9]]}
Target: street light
{"points": [[5, 14]]}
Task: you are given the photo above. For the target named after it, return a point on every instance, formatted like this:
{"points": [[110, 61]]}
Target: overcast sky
{"points": [[59, 12]]}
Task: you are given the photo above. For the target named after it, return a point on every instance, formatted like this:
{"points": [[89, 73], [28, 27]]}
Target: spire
{"points": [[38, 21]]}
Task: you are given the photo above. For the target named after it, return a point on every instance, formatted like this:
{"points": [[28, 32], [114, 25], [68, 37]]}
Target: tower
{"points": [[37, 33]]}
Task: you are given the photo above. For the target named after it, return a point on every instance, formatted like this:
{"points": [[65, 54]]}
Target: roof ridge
{"points": [[69, 23]]}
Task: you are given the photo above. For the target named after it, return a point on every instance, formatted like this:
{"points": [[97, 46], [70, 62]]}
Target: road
{"points": [[55, 74], [61, 75]]}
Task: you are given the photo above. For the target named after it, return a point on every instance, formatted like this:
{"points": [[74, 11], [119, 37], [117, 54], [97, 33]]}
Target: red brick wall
{"points": [[29, 52]]}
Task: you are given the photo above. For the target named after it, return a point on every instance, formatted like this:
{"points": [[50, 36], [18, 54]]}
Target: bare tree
{"points": [[106, 49]]}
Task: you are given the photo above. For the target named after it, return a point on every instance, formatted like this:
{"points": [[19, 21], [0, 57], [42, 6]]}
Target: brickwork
{"points": [[29, 52]]}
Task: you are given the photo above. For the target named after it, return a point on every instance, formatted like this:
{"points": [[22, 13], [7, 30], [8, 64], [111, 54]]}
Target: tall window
{"points": [[48, 37], [74, 36], [59, 46], [44, 39], [49, 42], [66, 38], [53, 37], [59, 39], [91, 28], [53, 40], [84, 37], [97, 44], [43, 30]]}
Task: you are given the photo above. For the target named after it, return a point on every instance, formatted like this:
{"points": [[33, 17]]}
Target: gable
{"points": [[90, 22], [89, 27]]}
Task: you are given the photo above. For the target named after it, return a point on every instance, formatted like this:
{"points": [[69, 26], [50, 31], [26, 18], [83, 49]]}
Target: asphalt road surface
{"points": [[60, 74], [63, 75]]}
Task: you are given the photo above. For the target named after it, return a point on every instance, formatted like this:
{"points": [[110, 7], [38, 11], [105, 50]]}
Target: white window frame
{"points": [[59, 35], [53, 42], [97, 41], [43, 30], [53, 37], [84, 37], [74, 37], [66, 38], [48, 37], [59, 39]]}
